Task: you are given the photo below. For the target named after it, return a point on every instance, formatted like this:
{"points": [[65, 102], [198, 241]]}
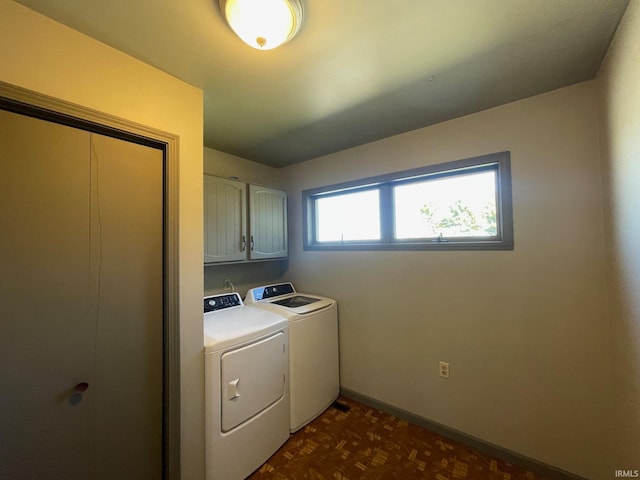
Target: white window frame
{"points": [[499, 162]]}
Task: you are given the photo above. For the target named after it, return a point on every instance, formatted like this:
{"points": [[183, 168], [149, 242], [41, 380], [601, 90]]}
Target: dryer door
{"points": [[253, 378]]}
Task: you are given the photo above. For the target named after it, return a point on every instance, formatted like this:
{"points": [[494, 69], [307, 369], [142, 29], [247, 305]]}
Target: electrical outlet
{"points": [[444, 369], [227, 285]]}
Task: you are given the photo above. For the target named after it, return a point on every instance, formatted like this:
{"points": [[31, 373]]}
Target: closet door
{"points": [[127, 271], [81, 278], [47, 319]]}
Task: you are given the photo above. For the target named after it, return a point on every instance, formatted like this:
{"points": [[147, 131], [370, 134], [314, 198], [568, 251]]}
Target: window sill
{"points": [[411, 246]]}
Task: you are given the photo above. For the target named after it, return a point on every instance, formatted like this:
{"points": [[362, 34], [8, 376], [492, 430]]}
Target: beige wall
{"points": [[41, 55], [251, 274], [620, 83], [525, 331]]}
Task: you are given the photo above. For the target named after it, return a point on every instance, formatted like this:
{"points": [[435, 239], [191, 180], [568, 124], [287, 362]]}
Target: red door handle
{"points": [[81, 387]]}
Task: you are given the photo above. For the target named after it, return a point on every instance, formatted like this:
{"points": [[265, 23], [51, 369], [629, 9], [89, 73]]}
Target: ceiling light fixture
{"points": [[263, 24]]}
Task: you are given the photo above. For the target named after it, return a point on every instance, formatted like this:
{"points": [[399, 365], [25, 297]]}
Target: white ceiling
{"points": [[358, 70]]}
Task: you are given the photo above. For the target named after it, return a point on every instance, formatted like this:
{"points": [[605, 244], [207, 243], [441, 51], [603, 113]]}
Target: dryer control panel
{"points": [[219, 302]]}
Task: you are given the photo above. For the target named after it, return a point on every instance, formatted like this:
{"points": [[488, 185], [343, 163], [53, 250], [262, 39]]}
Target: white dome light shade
{"points": [[263, 24]]}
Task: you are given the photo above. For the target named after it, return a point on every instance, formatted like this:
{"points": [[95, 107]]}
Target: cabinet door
{"points": [[225, 220], [268, 228]]}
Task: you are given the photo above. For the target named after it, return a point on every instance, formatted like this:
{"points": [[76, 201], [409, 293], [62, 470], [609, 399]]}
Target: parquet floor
{"points": [[364, 443]]}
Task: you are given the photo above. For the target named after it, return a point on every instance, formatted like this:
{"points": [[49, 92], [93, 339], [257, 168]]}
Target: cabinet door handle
{"points": [[252, 243], [243, 244]]}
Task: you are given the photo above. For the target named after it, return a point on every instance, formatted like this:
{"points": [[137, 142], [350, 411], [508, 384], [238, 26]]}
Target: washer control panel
{"points": [[222, 301], [270, 291]]}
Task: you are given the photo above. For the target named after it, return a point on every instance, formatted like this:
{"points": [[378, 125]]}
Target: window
{"points": [[349, 216], [461, 205]]}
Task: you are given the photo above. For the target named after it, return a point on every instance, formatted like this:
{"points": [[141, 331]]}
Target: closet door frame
{"points": [[34, 104]]}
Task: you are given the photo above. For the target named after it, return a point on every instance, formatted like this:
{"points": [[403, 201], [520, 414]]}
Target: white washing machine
{"points": [[246, 352], [314, 382]]}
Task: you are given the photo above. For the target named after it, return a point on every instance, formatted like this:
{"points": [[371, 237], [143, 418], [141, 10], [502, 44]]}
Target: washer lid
{"points": [[237, 325], [296, 301]]}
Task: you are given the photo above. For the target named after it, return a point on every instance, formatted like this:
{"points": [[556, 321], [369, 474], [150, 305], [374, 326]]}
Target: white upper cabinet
{"points": [[225, 220], [235, 230], [268, 223]]}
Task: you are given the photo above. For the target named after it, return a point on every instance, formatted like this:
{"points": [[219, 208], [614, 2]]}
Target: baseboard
{"points": [[508, 456]]}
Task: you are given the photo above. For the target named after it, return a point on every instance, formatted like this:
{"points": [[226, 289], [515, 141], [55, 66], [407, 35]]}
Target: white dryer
{"points": [[246, 386], [314, 382]]}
